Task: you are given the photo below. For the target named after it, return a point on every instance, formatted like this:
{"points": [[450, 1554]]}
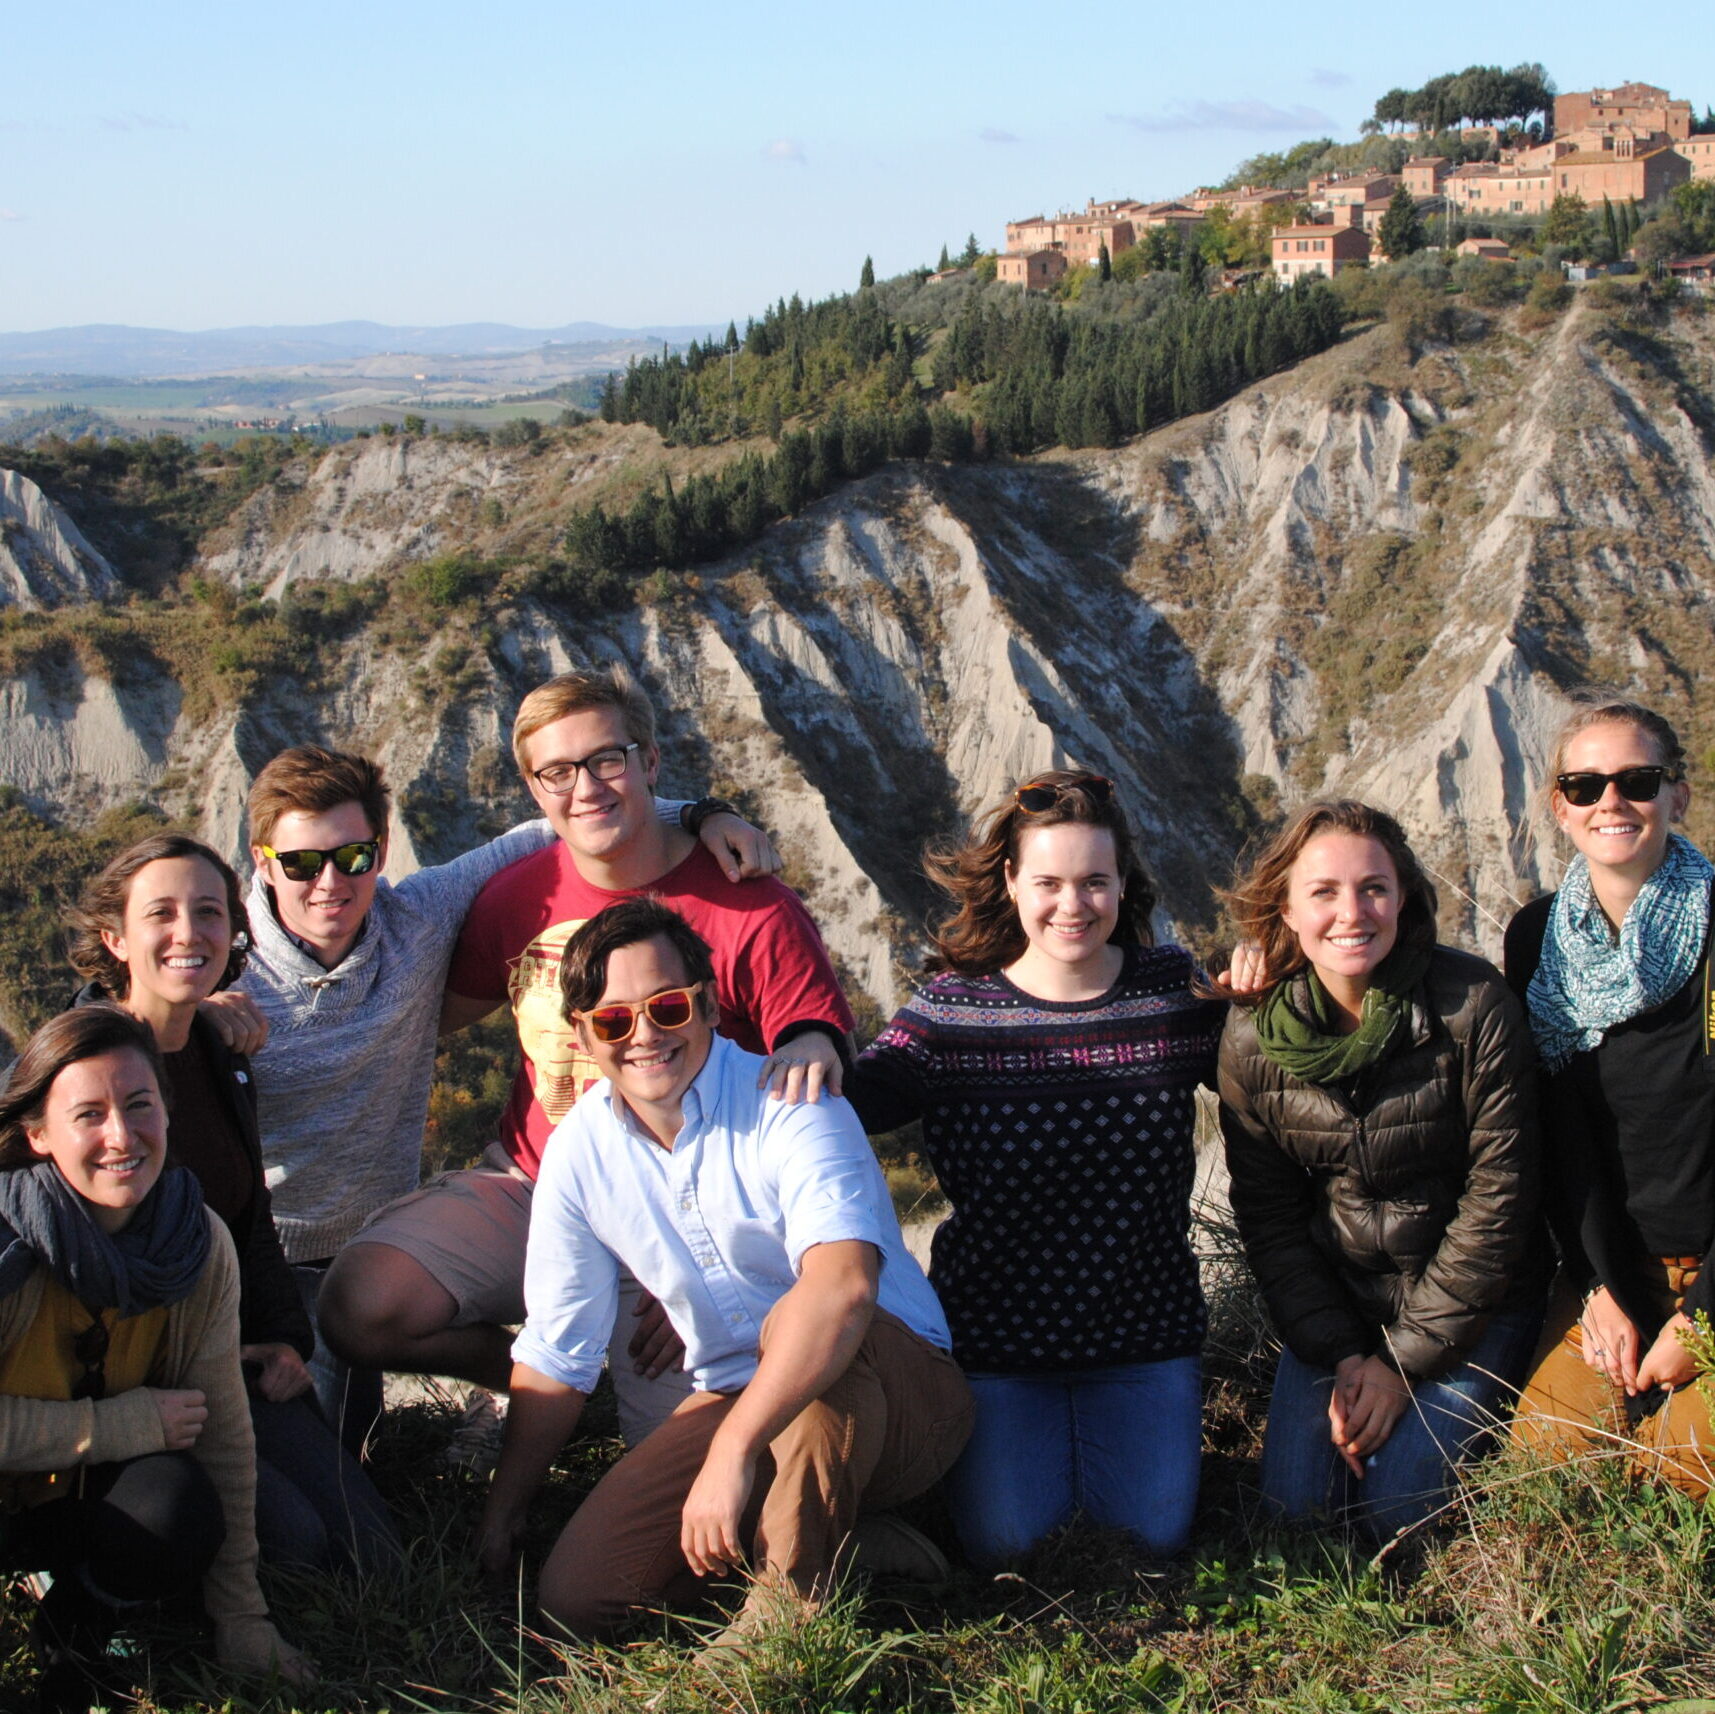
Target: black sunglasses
{"points": [[1042, 795], [357, 858], [90, 1349], [1636, 785]]}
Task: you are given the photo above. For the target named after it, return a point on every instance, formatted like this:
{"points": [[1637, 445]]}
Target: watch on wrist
{"points": [[694, 815]]}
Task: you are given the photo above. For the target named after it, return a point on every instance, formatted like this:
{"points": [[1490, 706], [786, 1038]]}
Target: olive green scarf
{"points": [[1293, 1024]]}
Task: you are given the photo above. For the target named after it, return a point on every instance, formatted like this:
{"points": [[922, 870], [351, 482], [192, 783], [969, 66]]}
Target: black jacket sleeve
{"points": [[270, 1311], [1274, 1201]]}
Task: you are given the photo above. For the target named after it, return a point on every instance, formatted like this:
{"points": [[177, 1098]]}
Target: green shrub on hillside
{"points": [[43, 867]]}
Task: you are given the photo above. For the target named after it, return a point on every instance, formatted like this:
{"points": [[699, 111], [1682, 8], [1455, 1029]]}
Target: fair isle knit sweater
{"points": [[1061, 1133], [343, 1084]]}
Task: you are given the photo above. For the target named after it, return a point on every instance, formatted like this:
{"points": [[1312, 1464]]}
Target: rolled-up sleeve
{"points": [[571, 1281], [827, 1178]]}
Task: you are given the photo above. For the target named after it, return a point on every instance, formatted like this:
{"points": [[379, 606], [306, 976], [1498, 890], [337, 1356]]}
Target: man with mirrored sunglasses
{"points": [[347, 972], [435, 1283]]}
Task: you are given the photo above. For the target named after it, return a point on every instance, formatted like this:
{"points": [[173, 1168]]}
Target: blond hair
{"points": [[573, 692]]}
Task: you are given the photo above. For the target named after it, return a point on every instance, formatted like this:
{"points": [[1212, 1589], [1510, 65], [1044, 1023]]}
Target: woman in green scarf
{"points": [[1377, 1098]]}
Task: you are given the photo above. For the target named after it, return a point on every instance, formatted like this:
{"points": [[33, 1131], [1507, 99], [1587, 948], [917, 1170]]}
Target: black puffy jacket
{"points": [[1399, 1213]]}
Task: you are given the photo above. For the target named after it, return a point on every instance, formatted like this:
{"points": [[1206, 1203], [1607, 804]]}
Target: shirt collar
{"points": [[696, 1105], [303, 945]]}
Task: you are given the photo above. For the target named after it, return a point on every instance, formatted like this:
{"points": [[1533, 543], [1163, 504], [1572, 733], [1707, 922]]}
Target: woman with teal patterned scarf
{"points": [[1614, 968], [1377, 1099]]}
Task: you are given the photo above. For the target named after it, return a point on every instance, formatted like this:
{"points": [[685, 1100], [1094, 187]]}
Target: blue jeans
{"points": [[1120, 1444], [315, 1506], [1411, 1475], [350, 1398]]}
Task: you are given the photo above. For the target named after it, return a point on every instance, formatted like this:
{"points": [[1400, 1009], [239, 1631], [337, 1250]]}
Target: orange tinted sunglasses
{"points": [[671, 1009]]}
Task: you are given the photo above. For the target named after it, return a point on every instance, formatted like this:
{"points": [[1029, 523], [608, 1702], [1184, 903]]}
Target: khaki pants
{"points": [[1570, 1410], [885, 1431]]}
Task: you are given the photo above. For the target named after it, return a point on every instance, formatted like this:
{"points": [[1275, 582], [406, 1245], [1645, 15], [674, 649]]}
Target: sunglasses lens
{"points": [[670, 1011], [1034, 799], [300, 865], [1636, 785], [355, 859], [612, 1023]]}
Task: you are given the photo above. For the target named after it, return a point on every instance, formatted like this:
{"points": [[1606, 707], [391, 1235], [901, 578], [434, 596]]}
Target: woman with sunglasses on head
{"points": [[126, 1470], [161, 928], [1614, 969], [1052, 1058], [1377, 1103]]}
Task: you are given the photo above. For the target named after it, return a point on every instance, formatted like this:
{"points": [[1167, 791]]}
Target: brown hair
{"points": [[982, 933], [83, 1033], [583, 965], [1596, 705], [1257, 896], [571, 693], [308, 780], [102, 908]]}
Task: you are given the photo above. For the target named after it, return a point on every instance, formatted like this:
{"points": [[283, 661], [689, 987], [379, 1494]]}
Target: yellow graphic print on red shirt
{"points": [[563, 1071]]}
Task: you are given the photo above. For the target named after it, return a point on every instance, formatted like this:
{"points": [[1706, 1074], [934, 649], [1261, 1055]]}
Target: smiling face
{"points": [[1066, 888], [653, 1067], [326, 913], [104, 1126], [1343, 904], [1628, 839], [176, 935], [599, 820]]}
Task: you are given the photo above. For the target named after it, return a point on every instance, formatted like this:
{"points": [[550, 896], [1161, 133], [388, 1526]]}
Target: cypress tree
{"points": [[867, 278]]}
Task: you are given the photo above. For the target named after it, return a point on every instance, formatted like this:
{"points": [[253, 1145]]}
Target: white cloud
{"points": [[1323, 78], [1228, 116], [10, 214], [993, 134], [787, 149]]}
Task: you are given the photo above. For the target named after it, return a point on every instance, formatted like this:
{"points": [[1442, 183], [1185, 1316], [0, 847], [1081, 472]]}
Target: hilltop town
{"points": [[1627, 147]]}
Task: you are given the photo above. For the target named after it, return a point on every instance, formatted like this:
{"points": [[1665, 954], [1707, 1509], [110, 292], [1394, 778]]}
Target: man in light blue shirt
{"points": [[817, 1350]]}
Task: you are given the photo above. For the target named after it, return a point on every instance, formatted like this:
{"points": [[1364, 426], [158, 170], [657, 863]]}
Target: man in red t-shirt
{"points": [[434, 1282]]}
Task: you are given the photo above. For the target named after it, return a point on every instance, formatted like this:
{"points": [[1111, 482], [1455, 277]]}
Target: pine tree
{"points": [[1401, 231], [867, 278], [972, 252], [732, 336]]}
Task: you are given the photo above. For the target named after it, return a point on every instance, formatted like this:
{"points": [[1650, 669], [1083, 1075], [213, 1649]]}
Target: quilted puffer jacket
{"points": [[1397, 1214]]}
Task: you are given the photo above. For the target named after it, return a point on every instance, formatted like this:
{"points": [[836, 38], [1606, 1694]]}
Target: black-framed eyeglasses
{"points": [[357, 858], [558, 778], [90, 1349], [1040, 795], [1635, 785]]}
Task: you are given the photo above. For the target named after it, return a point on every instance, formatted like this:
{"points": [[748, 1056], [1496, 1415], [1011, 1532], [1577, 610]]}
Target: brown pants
{"points": [[887, 1429], [1570, 1410]]}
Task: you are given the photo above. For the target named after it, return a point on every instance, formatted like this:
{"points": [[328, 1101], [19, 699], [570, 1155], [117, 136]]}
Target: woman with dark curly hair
{"points": [[156, 932], [1052, 1057], [1377, 1098]]}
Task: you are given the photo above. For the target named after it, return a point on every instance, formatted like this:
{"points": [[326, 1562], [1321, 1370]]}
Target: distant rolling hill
{"points": [[134, 351]]}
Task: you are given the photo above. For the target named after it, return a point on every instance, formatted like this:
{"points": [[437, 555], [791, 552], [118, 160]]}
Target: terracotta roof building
{"points": [[1300, 251], [1640, 105]]}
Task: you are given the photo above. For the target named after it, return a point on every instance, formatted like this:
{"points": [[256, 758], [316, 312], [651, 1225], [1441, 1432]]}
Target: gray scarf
{"points": [[156, 1258]]}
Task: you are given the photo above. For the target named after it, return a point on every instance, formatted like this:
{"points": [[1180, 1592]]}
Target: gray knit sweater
{"points": [[343, 1084]]}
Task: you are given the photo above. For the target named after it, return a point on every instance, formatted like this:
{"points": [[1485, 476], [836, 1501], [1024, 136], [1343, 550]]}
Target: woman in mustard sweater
{"points": [[126, 1463]]}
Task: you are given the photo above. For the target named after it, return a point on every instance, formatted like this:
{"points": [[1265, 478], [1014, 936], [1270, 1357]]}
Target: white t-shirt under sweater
{"points": [[343, 1084]]}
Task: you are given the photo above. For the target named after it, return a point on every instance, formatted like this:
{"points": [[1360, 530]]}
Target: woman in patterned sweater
{"points": [[1052, 1058]]}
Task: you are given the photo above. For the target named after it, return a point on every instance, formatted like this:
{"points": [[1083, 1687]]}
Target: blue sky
{"points": [[196, 166]]}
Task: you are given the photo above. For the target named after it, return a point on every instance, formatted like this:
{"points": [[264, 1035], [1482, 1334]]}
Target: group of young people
{"points": [[683, 1191]]}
